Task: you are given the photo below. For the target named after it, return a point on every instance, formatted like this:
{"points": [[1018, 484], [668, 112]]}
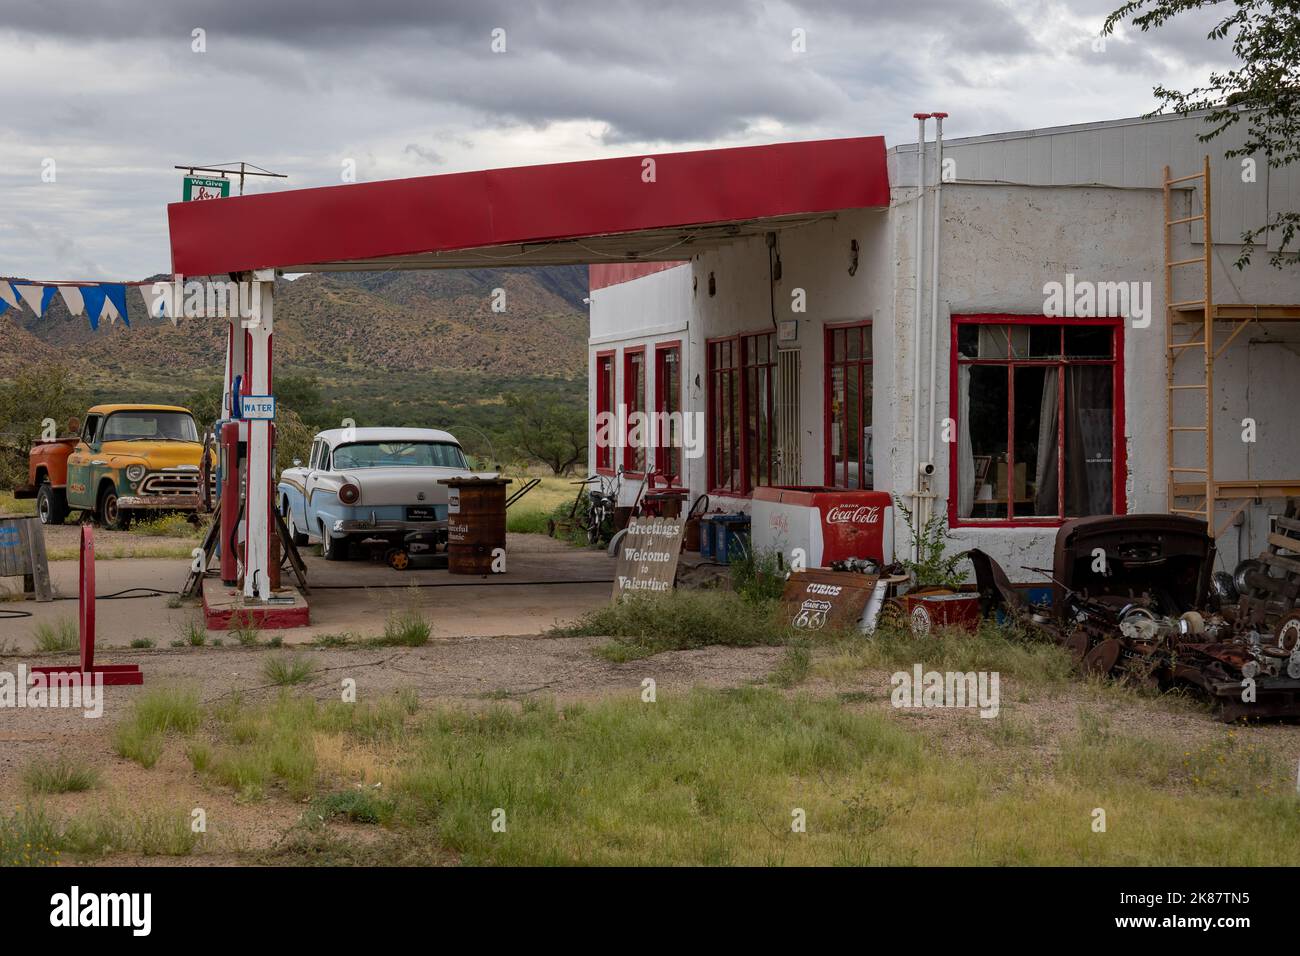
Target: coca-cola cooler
{"points": [[830, 524]]}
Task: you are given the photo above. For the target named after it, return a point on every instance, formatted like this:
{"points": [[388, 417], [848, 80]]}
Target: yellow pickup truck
{"points": [[127, 460]]}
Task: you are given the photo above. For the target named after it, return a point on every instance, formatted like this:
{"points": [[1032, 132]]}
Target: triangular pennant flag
{"points": [[4, 306], [72, 299], [32, 295], [117, 297], [155, 304], [7, 294], [93, 296]]}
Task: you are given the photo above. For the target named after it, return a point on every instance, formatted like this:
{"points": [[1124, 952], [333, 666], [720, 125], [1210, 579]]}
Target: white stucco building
{"points": [[805, 351]]}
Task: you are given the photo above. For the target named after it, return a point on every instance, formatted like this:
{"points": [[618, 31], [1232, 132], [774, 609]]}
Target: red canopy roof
{"points": [[596, 211]]}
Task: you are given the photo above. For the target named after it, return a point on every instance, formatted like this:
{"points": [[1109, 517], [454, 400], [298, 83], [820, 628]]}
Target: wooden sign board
{"points": [[22, 553], [647, 560], [814, 599]]}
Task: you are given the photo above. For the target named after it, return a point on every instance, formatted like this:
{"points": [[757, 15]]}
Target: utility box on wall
{"points": [[829, 524]]}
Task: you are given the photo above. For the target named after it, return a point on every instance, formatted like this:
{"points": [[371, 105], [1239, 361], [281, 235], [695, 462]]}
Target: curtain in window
{"points": [[1089, 465], [965, 455], [1046, 469]]}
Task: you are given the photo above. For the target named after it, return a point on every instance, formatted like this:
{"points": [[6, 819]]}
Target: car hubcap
{"points": [[110, 509]]}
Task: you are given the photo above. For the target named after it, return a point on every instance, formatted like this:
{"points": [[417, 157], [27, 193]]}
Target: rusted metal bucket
{"points": [[476, 524]]}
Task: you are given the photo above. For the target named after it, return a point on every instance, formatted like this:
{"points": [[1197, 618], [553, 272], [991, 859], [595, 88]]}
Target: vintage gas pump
{"points": [[233, 483], [231, 478]]}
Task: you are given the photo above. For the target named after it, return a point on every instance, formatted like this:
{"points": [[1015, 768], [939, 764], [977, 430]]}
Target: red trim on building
{"points": [[427, 214], [604, 389], [615, 273], [634, 403], [662, 452], [1119, 454]]}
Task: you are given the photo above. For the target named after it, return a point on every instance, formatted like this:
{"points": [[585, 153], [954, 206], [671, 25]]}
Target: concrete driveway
{"points": [[546, 582]]}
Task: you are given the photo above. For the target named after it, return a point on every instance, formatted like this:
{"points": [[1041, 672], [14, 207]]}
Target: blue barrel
{"points": [[706, 535], [730, 537]]}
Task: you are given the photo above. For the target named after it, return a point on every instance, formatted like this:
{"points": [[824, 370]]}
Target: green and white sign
{"points": [[198, 187]]}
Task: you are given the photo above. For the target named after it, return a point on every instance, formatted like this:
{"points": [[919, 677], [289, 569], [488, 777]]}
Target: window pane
{"points": [[852, 426], [868, 469], [968, 340], [1034, 483], [866, 342], [1088, 341], [838, 466], [984, 440], [1089, 426], [853, 339], [1044, 341], [837, 345]]}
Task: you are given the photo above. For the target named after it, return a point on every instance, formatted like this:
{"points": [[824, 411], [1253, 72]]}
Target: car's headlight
{"points": [[134, 472]]}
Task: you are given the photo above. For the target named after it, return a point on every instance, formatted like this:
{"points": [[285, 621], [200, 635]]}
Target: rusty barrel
{"points": [[476, 523]]}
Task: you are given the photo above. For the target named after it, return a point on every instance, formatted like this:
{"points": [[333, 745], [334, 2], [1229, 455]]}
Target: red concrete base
{"points": [[223, 606], [117, 675]]}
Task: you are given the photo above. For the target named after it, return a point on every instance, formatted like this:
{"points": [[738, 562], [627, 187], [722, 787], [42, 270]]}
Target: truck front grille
{"points": [[170, 483]]}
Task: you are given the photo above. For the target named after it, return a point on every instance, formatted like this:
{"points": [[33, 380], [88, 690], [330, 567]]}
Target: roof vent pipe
{"points": [[917, 253], [934, 299]]}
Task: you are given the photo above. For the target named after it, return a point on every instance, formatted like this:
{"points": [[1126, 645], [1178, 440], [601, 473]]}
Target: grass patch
{"points": [[169, 526], [194, 633], [57, 637], [31, 836], [60, 775], [244, 628], [407, 628], [795, 666], [646, 625], [357, 806], [9, 505], [155, 714], [992, 648], [335, 640], [285, 670], [141, 643], [758, 577]]}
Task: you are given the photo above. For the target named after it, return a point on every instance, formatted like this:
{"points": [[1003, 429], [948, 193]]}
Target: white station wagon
{"points": [[370, 483]]}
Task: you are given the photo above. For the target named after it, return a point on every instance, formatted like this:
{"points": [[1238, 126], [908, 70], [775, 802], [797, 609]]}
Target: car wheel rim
{"points": [[110, 509]]}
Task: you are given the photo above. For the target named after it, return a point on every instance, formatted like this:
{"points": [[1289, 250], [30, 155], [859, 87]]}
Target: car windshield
{"points": [[151, 426], [381, 454]]}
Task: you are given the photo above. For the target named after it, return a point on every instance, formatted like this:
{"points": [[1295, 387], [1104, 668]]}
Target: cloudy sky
{"points": [[105, 97]]}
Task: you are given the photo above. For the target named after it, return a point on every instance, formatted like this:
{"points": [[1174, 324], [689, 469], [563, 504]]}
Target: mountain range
{"points": [[340, 326]]}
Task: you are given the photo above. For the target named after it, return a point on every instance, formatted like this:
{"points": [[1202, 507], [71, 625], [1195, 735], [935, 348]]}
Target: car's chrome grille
{"points": [[171, 483]]}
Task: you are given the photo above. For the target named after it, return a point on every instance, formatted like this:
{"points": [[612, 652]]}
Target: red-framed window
{"points": [[668, 400], [742, 439], [848, 406], [634, 391], [604, 409], [1038, 404]]}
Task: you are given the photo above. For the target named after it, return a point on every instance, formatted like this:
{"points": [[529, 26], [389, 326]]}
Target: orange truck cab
{"points": [[127, 460]]}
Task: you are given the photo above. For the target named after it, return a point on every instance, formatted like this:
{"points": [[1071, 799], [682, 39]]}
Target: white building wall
{"points": [[1001, 243]]}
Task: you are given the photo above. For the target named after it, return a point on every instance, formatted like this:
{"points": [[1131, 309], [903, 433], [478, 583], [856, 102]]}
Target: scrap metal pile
{"points": [[1136, 597]]}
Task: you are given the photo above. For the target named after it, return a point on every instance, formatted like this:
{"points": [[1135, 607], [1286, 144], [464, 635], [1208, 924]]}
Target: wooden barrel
{"points": [[476, 523]]}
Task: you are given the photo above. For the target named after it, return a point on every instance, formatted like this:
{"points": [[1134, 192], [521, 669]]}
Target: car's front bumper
{"points": [[382, 525], [159, 502]]}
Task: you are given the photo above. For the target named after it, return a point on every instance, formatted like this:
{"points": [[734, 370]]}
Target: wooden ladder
{"points": [[1202, 491]]}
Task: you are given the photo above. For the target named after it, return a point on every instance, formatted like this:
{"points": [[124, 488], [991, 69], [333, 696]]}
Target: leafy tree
{"points": [[34, 394], [1264, 91], [548, 429]]}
